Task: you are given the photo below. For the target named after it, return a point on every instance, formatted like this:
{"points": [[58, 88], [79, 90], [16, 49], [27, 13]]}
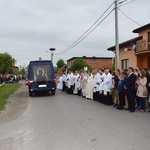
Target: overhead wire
{"points": [[120, 3], [86, 32], [91, 29], [89, 32], [129, 17], [125, 3]]}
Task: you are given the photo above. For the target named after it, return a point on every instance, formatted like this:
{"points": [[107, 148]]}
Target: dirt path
{"points": [[17, 103]]}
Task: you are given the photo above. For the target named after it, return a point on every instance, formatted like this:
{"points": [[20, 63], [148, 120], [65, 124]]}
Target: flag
{"points": [[127, 49], [134, 47]]}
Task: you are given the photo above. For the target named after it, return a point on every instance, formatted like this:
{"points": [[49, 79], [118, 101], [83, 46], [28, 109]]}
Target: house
{"points": [[135, 52], [94, 62], [15, 68]]}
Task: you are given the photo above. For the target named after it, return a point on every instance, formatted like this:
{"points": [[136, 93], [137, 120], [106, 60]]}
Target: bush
{"points": [[79, 64]]}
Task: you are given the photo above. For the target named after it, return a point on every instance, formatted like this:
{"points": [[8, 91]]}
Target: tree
{"points": [[6, 63], [63, 69], [60, 63], [22, 70], [79, 64]]}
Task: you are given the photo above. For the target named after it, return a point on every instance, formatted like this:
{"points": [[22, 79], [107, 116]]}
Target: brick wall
{"points": [[99, 63], [94, 62]]}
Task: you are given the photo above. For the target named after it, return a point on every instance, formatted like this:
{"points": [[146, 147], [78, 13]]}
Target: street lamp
{"points": [[52, 49]]}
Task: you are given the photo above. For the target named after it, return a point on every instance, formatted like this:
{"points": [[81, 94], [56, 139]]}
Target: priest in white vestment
{"points": [[89, 87], [107, 84], [60, 83], [83, 83]]}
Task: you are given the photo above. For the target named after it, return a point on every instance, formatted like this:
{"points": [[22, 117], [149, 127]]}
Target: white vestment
{"points": [[101, 87], [89, 87], [69, 80], [75, 90], [107, 83], [78, 82], [83, 84], [60, 83]]}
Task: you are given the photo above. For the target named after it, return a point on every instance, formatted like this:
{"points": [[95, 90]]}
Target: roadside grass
{"points": [[5, 91]]}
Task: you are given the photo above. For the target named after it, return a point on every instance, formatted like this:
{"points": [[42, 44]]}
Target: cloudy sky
{"points": [[28, 28]]}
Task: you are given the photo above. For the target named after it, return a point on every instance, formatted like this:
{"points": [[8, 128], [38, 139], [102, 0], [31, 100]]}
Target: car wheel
{"points": [[31, 93], [53, 92]]}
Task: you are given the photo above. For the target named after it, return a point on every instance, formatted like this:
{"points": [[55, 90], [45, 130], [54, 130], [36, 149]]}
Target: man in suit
{"points": [[130, 87]]}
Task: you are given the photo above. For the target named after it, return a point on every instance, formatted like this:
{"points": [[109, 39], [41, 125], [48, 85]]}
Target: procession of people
{"points": [[124, 90]]}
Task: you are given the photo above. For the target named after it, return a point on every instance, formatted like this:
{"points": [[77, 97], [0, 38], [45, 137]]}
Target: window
{"points": [[92, 61], [125, 64], [41, 73]]}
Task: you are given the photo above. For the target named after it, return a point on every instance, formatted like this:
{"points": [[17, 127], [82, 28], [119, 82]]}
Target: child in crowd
{"points": [[120, 90]]}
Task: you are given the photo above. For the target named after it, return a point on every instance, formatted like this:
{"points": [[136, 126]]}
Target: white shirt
{"points": [[101, 82], [64, 77], [108, 82]]}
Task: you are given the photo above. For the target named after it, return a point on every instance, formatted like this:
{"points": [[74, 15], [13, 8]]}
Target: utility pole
{"points": [[116, 36], [52, 56], [52, 49]]}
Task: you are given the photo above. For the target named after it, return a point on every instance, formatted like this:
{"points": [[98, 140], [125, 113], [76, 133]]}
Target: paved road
{"points": [[69, 122]]}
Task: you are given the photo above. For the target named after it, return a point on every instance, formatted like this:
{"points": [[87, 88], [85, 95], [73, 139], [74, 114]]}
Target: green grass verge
{"points": [[5, 91]]}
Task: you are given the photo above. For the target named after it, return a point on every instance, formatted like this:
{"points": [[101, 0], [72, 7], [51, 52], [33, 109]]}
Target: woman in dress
{"points": [[142, 91]]}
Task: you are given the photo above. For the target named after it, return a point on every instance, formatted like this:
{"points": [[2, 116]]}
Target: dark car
{"points": [[41, 77]]}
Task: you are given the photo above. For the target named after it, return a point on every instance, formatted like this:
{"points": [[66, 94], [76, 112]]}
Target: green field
{"points": [[5, 91]]}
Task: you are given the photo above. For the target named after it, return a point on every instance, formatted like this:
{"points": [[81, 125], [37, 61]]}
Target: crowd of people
{"points": [[10, 78], [125, 90]]}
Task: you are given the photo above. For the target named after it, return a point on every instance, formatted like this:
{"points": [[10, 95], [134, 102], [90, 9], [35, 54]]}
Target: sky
{"points": [[29, 28]]}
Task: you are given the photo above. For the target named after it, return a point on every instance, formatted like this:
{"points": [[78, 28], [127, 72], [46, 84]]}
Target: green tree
{"points": [[22, 70], [60, 63], [79, 64], [6, 63], [63, 69]]}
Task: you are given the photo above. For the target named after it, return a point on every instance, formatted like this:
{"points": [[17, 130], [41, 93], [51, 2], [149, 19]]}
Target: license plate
{"points": [[42, 86]]}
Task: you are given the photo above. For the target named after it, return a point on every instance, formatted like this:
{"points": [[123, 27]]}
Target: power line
{"points": [[120, 3], [89, 32], [83, 35], [129, 18]]}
